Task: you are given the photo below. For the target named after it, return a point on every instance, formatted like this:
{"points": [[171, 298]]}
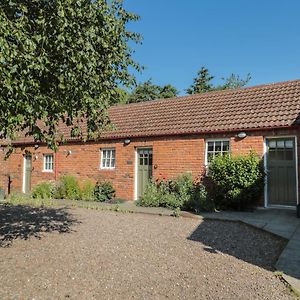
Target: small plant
{"points": [[176, 212], [87, 191], [43, 190], [151, 196], [67, 188], [104, 191]]}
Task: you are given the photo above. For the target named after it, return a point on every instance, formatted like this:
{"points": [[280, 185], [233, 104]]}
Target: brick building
{"points": [[165, 138]]}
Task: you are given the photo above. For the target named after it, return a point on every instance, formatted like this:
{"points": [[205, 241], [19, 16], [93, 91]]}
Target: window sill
{"points": [[48, 171]]}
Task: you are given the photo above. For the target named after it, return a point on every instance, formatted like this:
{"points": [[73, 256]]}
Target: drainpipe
{"points": [[55, 165]]}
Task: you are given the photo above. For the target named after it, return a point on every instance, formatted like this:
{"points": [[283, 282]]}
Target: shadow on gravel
{"points": [[23, 222], [242, 241]]}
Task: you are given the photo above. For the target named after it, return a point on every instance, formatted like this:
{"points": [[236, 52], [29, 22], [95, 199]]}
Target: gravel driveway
{"points": [[89, 254]]}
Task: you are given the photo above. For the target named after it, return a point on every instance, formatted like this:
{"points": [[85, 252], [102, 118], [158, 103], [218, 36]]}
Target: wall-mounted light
{"points": [[127, 141], [241, 135], [68, 152], [36, 146]]}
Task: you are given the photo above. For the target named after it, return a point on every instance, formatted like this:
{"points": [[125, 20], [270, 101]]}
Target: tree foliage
{"points": [[203, 82], [61, 61], [235, 81], [148, 91]]}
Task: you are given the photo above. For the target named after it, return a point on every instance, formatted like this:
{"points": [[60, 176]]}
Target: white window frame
{"points": [[45, 163], [102, 167], [215, 140]]}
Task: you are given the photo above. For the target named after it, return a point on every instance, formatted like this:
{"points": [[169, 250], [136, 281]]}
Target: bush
{"points": [[200, 201], [182, 193], [43, 190], [87, 191], [238, 181], [67, 188], [104, 191], [151, 196]]}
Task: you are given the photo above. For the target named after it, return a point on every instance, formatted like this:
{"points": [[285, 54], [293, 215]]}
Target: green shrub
{"points": [[151, 196], [104, 191], [170, 200], [87, 191], [200, 200], [67, 188], [238, 181], [182, 193], [43, 190]]}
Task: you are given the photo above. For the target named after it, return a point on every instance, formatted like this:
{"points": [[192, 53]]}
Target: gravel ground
{"points": [[89, 254]]}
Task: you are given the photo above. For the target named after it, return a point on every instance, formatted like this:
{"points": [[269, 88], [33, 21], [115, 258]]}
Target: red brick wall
{"points": [[171, 156]]}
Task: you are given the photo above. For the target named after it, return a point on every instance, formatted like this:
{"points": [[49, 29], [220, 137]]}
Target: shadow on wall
{"points": [[236, 239], [23, 222]]}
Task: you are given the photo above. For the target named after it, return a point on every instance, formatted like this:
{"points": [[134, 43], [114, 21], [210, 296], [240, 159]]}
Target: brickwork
{"points": [[172, 156]]}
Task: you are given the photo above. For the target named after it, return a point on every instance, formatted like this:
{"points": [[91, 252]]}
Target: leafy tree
{"points": [[234, 81], [61, 61], [120, 97], [148, 91], [202, 83], [167, 91]]}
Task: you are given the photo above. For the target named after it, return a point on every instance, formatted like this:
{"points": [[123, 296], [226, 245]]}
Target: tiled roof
{"points": [[259, 107], [273, 105]]}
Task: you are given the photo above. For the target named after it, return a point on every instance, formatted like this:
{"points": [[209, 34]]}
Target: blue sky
{"points": [[261, 37]]}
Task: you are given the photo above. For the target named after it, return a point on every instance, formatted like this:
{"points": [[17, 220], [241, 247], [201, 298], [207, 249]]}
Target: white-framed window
{"points": [[108, 158], [48, 162], [215, 148]]}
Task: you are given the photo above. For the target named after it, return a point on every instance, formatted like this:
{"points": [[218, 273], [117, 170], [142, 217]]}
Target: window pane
{"points": [[107, 163], [272, 144], [108, 158], [289, 144], [210, 146], [218, 146], [112, 165], [280, 144], [225, 146], [215, 148], [113, 154], [48, 162]]}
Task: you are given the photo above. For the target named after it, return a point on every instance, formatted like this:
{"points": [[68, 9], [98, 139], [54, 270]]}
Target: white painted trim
{"points": [[136, 174], [266, 176], [296, 161], [44, 163], [24, 168], [214, 140], [265, 167], [101, 157]]}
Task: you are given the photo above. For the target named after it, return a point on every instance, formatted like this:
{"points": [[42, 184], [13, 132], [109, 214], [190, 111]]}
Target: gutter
{"points": [[119, 137]]}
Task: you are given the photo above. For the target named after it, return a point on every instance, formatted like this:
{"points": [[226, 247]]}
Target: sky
{"points": [[260, 37]]}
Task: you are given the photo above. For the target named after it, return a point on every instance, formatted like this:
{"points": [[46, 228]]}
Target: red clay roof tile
{"points": [[258, 107]]}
